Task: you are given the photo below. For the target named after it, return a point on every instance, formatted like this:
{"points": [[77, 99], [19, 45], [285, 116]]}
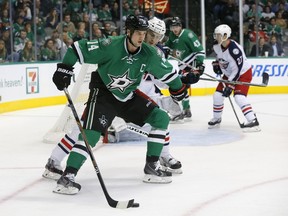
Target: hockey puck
{"points": [[135, 205]]}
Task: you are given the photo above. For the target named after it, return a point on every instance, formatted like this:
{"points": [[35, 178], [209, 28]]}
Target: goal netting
{"points": [[79, 94]]}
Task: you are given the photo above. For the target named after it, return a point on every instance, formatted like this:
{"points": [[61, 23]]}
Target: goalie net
{"points": [[79, 95]]}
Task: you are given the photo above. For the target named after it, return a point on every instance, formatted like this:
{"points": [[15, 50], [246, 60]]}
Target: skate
{"points": [[67, 185], [252, 126], [187, 114], [154, 173], [52, 171], [171, 164], [214, 123], [178, 119]]}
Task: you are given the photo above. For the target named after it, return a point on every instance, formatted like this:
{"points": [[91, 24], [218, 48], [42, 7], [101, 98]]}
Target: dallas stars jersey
{"points": [[186, 47], [232, 60], [120, 70]]}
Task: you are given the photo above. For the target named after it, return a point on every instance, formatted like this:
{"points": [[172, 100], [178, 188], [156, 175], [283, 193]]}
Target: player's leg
{"points": [[186, 108], [218, 106], [240, 97], [167, 160], [139, 111], [53, 169], [246, 108], [154, 173], [97, 108]]}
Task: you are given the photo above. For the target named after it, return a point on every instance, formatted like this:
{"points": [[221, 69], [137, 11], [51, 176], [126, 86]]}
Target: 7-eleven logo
{"points": [[32, 80]]}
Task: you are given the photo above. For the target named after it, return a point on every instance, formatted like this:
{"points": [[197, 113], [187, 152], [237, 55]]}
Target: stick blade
{"points": [[265, 78], [126, 204]]}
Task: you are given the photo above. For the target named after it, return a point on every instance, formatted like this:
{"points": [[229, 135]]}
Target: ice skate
{"points": [[154, 173], [171, 164], [52, 170], [214, 123], [252, 126], [187, 114], [67, 185], [178, 119]]}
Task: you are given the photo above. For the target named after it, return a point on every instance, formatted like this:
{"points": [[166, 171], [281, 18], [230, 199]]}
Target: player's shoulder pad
{"points": [[189, 33], [234, 49], [152, 51], [105, 41]]}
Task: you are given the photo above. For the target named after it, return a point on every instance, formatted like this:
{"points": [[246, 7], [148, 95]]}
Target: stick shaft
{"points": [[111, 202]]}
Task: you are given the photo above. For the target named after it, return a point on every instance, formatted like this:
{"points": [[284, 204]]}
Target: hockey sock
{"points": [[77, 156], [62, 149], [155, 142], [218, 104], [245, 106], [154, 150], [185, 104]]}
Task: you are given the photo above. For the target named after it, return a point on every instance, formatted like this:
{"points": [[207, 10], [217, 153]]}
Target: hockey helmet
{"points": [[136, 23], [156, 25], [223, 30], [175, 21]]}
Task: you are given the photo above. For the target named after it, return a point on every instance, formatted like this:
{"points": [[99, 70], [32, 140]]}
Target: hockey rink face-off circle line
{"points": [[19, 191], [212, 201]]}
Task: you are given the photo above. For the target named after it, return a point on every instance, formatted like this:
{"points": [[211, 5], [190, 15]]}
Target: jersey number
{"points": [[240, 60], [92, 45], [196, 43]]}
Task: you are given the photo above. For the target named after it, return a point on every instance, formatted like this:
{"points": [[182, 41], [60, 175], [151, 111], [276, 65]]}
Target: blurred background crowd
{"points": [[34, 30]]}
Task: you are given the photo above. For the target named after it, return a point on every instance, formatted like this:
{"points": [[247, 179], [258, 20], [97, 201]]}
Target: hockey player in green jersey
{"points": [[186, 47], [121, 60]]}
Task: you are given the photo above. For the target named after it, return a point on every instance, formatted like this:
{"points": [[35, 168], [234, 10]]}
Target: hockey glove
{"points": [[190, 78], [62, 76], [199, 69], [228, 90], [179, 94], [167, 51], [216, 68]]}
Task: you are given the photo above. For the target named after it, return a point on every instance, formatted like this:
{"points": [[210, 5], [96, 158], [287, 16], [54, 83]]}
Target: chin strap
{"points": [[129, 39]]}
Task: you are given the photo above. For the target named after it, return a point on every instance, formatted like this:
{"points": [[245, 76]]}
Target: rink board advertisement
{"points": [[30, 85]]}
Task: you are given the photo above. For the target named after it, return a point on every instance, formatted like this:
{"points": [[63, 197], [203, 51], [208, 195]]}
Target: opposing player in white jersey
{"points": [[151, 87], [232, 62]]}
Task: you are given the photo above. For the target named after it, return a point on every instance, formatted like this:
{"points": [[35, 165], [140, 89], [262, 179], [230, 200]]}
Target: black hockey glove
{"points": [[167, 51], [216, 68], [200, 69], [228, 90], [180, 94], [190, 78], [62, 76]]}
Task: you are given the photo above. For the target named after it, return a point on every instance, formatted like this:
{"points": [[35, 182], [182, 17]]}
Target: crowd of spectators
{"points": [[56, 30], [53, 34], [265, 24]]}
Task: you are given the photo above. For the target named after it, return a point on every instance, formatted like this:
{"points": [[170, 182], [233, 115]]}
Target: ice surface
{"points": [[225, 171]]}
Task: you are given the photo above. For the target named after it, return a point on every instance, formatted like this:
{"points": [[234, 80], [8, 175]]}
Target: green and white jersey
{"points": [[186, 47], [120, 70]]}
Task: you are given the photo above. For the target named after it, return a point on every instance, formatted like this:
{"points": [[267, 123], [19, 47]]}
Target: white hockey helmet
{"points": [[224, 30], [158, 26]]}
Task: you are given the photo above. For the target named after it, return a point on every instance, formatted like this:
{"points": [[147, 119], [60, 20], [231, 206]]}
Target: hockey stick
{"points": [[265, 77], [265, 80], [137, 130], [113, 203], [240, 124]]}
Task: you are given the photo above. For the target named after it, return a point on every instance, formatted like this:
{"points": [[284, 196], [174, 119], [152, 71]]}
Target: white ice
{"points": [[225, 172]]}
